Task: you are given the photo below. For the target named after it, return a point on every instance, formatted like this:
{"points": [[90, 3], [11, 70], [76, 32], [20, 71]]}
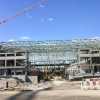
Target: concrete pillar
{"points": [[78, 59], [14, 72], [15, 63], [15, 60], [5, 72], [91, 65], [5, 61], [66, 73]]}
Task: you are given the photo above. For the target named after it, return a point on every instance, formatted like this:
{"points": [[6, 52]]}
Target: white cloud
{"points": [[11, 40], [25, 38], [29, 16], [50, 19], [42, 19], [95, 38], [42, 6]]}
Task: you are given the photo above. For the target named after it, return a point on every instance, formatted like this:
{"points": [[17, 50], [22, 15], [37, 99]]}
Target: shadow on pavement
{"points": [[18, 96], [26, 95]]}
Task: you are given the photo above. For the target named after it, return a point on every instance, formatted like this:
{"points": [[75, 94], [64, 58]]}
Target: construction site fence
{"points": [[90, 84]]}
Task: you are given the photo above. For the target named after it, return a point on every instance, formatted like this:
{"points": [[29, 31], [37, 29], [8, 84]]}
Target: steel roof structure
{"points": [[51, 45], [51, 51]]}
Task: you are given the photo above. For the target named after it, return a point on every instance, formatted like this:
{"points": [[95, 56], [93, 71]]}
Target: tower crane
{"points": [[25, 10]]}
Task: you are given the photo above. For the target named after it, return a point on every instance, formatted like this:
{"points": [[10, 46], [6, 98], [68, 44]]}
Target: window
{"points": [[10, 54], [20, 62], [2, 55], [2, 63], [10, 62], [20, 54]]}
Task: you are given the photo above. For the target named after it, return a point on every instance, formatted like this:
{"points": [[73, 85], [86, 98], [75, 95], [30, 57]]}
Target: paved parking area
{"points": [[62, 92]]}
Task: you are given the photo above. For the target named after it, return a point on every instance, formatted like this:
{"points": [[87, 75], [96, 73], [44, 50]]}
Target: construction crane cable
{"points": [[25, 10]]}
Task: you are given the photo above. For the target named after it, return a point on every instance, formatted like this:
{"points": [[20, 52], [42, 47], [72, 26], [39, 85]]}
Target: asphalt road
{"points": [[49, 95]]}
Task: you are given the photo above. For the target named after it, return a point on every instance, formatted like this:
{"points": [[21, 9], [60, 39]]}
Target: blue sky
{"points": [[58, 20]]}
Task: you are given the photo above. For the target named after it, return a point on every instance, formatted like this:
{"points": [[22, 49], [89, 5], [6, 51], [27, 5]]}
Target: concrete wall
{"points": [[33, 79]]}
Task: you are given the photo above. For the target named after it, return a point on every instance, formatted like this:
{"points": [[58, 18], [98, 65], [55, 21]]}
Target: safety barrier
{"points": [[90, 84], [8, 83]]}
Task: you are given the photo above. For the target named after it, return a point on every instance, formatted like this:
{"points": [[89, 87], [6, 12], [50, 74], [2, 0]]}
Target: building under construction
{"points": [[72, 59]]}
